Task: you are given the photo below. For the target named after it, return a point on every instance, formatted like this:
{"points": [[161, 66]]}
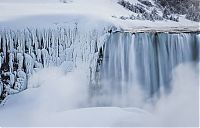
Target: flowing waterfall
{"points": [[119, 62], [145, 60]]}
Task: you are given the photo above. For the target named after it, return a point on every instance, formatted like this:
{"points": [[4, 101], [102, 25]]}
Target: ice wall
{"points": [[23, 52]]}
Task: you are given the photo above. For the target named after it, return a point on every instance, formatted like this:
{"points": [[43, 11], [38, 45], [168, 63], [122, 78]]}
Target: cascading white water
{"points": [[119, 63], [145, 59]]}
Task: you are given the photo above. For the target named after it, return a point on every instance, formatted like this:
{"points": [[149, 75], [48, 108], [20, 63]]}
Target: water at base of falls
{"points": [[145, 61]]}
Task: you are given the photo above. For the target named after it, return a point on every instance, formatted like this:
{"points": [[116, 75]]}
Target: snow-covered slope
{"points": [[88, 13], [30, 1]]}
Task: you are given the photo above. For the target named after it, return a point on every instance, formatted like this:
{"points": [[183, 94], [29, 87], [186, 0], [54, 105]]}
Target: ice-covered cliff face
{"points": [[116, 63], [145, 61], [26, 51]]}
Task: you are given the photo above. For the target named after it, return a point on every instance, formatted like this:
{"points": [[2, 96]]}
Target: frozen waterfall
{"points": [[23, 52]]}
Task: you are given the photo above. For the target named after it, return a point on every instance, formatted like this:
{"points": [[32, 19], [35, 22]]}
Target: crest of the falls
{"points": [[145, 60]]}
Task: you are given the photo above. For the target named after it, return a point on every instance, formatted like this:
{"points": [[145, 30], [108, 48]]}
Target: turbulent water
{"points": [[145, 60]]}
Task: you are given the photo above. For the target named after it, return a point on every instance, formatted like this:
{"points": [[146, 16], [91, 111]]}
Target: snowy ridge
{"points": [[180, 29], [86, 13]]}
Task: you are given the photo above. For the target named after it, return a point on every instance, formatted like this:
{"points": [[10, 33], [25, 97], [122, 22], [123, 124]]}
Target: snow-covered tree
{"points": [[189, 7]]}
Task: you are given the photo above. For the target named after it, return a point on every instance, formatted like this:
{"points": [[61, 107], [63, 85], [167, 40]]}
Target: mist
{"points": [[181, 106], [60, 90], [178, 108], [54, 98]]}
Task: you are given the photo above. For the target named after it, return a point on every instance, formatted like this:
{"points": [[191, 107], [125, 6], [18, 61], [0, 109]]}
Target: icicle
{"points": [[20, 60], [11, 61], [21, 82], [28, 62], [45, 57], [39, 55], [1, 87], [12, 79]]}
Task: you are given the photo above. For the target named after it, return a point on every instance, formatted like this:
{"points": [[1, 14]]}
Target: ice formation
{"points": [[115, 61], [24, 52]]}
